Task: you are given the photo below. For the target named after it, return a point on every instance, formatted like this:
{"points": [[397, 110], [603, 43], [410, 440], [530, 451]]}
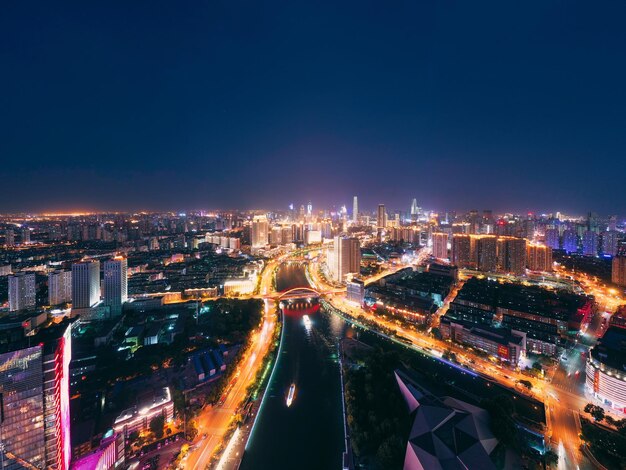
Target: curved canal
{"points": [[309, 433]]}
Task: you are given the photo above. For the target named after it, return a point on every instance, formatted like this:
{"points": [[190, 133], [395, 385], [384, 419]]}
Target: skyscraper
{"points": [[59, 287], [345, 258], [414, 210], [21, 385], [590, 243], [115, 284], [85, 284], [355, 210], [486, 252], [511, 255], [461, 251], [381, 217], [539, 257], [618, 274], [592, 222], [34, 400], [9, 238], [276, 237], [440, 245], [259, 231], [552, 238], [25, 235], [56, 342], [21, 291], [610, 240], [474, 220], [570, 241]]}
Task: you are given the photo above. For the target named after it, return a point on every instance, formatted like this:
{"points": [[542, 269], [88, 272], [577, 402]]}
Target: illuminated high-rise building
{"points": [[381, 217], [590, 243], [355, 209], [552, 238], [610, 239], [297, 233], [35, 401], [440, 245], [56, 342], [511, 255], [344, 258], [59, 287], [259, 231], [85, 284], [618, 274], [592, 222], [9, 238], [22, 401], [485, 254], [286, 234], [21, 291], [414, 210], [115, 283], [539, 257], [276, 237], [474, 220], [461, 251], [25, 235], [570, 241]]}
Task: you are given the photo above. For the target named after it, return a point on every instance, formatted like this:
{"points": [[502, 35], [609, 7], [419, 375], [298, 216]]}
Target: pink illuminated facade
{"points": [[34, 399], [110, 454], [60, 450], [57, 356]]}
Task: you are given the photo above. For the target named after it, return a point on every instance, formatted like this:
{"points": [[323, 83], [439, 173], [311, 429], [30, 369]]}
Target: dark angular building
{"points": [[446, 433]]}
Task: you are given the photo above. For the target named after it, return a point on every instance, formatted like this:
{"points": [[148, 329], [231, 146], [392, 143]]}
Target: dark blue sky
{"points": [[180, 105]]}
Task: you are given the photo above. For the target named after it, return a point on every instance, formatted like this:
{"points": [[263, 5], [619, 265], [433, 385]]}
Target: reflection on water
{"points": [[337, 326], [309, 433]]}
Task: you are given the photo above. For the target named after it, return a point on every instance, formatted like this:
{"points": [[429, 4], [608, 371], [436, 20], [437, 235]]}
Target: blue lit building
{"points": [[590, 243], [610, 239], [570, 241], [552, 238]]}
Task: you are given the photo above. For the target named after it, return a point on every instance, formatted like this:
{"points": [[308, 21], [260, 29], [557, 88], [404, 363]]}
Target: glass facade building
{"points": [[22, 408]]}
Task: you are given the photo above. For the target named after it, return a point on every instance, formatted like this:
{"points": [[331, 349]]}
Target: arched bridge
{"points": [[298, 293], [303, 292]]}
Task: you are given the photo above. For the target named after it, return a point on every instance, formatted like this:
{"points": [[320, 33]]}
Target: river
{"points": [[309, 433]]}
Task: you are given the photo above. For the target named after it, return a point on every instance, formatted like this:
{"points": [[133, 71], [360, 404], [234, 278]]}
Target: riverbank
{"points": [[306, 431]]}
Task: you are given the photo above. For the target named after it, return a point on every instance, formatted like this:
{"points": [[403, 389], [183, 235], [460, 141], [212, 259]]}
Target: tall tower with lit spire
{"points": [[414, 210]]}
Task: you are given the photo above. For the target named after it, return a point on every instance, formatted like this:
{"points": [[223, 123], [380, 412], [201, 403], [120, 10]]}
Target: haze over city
{"points": [[162, 106]]}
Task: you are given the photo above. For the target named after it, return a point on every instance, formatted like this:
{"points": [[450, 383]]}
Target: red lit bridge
{"points": [[303, 292]]}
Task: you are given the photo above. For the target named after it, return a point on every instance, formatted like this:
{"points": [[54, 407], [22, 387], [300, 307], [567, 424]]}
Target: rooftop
{"points": [[447, 433], [531, 299], [611, 348]]}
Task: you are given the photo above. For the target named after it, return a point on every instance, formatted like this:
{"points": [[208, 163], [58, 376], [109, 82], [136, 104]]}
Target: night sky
{"points": [[207, 104]]}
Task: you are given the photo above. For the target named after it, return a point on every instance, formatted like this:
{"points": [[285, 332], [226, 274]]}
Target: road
{"points": [[568, 379], [214, 420], [607, 298], [561, 405], [563, 396]]}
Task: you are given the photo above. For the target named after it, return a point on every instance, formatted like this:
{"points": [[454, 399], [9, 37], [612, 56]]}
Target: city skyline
{"points": [[317, 235], [530, 303], [137, 107], [331, 209]]}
